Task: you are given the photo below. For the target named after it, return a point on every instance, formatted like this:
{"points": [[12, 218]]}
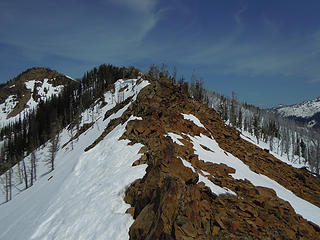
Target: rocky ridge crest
{"points": [[170, 202]]}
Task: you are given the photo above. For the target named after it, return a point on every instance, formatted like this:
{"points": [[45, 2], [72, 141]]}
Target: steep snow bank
{"points": [[299, 162], [90, 204], [83, 197]]}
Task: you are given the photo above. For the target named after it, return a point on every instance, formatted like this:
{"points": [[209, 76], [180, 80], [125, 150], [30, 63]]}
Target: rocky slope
{"points": [[173, 200], [183, 173], [24, 92]]}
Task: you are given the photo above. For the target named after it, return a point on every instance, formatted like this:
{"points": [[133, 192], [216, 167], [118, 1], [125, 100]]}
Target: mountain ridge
{"points": [[307, 112], [146, 204], [148, 149]]}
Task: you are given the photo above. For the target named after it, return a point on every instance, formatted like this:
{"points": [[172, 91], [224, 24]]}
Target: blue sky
{"points": [[268, 52]]}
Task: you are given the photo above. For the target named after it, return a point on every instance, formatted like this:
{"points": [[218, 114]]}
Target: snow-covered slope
{"points": [[304, 110], [307, 112], [6, 108], [83, 197], [44, 91], [23, 94], [296, 161]]}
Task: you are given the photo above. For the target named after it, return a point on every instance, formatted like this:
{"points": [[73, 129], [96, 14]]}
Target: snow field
{"points": [[83, 197], [91, 201], [45, 91], [193, 119], [304, 110], [301, 206]]}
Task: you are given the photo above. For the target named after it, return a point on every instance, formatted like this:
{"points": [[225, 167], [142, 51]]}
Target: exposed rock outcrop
{"points": [[169, 202]]}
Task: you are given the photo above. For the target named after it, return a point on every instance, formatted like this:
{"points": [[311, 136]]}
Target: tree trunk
{"points": [[25, 173], [6, 187], [33, 157], [19, 173], [10, 183]]}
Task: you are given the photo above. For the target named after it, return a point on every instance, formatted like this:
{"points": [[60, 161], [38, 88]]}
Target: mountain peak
{"points": [[37, 74], [24, 92]]}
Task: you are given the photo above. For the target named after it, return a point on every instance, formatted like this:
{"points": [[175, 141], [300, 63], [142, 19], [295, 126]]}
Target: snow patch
{"points": [[301, 206], [187, 164], [311, 123], [175, 138], [46, 90], [193, 119], [6, 108], [70, 78], [214, 188], [131, 90]]}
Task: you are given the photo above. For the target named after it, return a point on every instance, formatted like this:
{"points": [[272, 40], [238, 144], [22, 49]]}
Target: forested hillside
{"points": [[283, 136], [41, 124]]}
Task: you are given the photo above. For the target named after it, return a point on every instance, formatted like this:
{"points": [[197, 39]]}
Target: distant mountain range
{"points": [[307, 112]]}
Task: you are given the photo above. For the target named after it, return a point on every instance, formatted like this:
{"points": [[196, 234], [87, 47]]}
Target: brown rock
{"points": [[130, 211], [169, 203], [142, 225], [234, 226], [290, 234], [215, 230]]}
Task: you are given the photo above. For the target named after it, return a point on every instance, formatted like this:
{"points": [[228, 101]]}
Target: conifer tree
{"points": [[256, 127]]}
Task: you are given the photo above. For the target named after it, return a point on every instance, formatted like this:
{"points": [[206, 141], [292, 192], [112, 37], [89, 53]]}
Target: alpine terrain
{"points": [[22, 94], [307, 112], [135, 156]]}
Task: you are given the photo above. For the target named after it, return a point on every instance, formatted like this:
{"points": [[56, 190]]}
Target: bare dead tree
{"points": [[54, 144], [33, 169], [25, 174], [53, 149]]}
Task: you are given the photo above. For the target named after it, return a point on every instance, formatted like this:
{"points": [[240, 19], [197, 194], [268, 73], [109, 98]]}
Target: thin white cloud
{"points": [[237, 15], [103, 31], [270, 26], [145, 6], [296, 57]]}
